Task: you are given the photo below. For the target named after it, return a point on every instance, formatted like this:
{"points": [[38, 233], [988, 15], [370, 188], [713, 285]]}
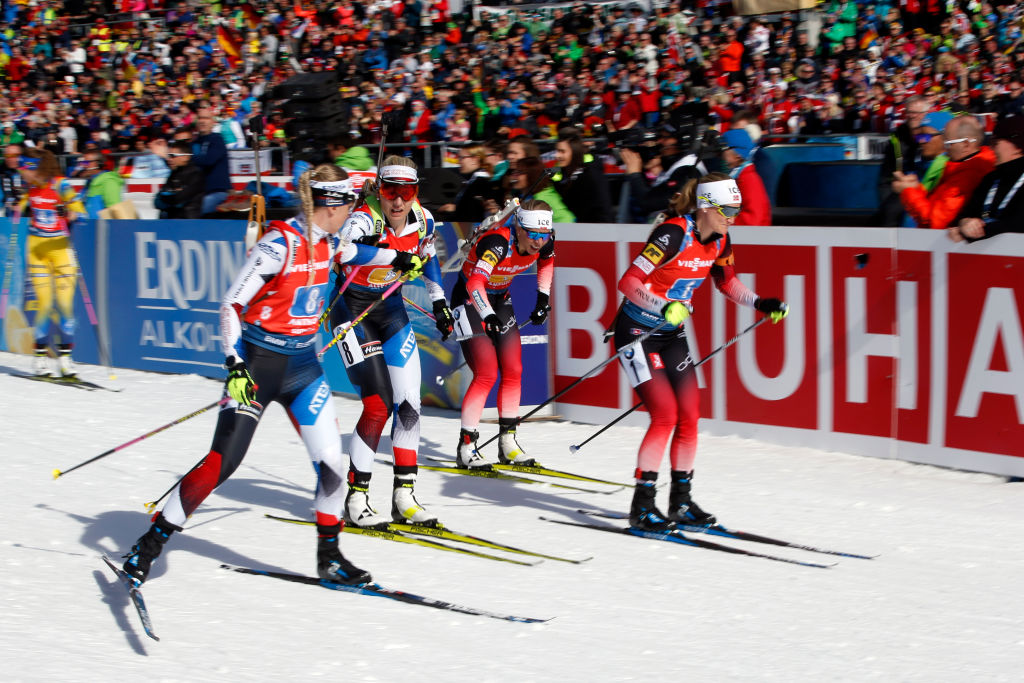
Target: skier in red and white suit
{"points": [[268, 322], [486, 322], [679, 255]]}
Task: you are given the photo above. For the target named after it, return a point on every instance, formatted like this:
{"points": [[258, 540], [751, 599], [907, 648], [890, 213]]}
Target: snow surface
{"points": [[942, 601]]}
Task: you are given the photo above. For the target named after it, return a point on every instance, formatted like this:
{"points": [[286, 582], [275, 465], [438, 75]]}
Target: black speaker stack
{"points": [[313, 112]]}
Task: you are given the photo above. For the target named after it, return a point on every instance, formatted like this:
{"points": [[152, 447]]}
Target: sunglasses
{"points": [[922, 138], [537, 235], [950, 143], [393, 191], [726, 211]]}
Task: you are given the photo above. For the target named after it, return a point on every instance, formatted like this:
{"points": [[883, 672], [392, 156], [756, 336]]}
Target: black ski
{"points": [[380, 591], [135, 594], [680, 537], [69, 381], [446, 534], [719, 530]]}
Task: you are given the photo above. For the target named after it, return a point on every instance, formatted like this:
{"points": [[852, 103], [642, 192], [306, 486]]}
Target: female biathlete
{"points": [[679, 255], [49, 257], [391, 236], [268, 323], [488, 324]]}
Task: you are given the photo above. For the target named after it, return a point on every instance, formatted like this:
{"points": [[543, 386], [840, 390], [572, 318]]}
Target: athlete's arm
{"points": [[265, 261], [431, 268], [664, 241], [546, 267], [358, 226], [490, 251], [723, 273]]}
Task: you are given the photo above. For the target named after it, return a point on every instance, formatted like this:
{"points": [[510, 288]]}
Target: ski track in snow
{"points": [[940, 603]]}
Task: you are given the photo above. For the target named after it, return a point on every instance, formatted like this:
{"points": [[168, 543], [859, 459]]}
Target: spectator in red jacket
{"points": [[969, 162], [738, 155]]}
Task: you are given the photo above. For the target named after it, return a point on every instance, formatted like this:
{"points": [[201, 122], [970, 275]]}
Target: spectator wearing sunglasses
{"points": [[182, 193], [936, 206], [681, 252], [390, 236], [903, 154], [102, 189], [738, 157], [997, 203], [488, 332]]}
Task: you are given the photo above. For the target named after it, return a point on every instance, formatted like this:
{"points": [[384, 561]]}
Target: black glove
{"points": [[776, 309], [408, 264], [540, 309], [492, 326], [443, 318]]}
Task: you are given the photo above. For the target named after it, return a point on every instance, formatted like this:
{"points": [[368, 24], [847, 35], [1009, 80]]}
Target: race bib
{"points": [[634, 362], [462, 326], [348, 347]]}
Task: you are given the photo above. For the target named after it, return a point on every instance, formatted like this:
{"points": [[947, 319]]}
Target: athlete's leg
{"points": [[38, 265], [65, 271], [403, 361], [236, 425], [510, 363]]}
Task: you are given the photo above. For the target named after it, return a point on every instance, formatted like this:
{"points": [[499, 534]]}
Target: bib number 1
{"points": [[634, 363]]}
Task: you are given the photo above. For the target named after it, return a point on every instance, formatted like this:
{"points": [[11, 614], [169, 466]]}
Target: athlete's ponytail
{"points": [[321, 173]]}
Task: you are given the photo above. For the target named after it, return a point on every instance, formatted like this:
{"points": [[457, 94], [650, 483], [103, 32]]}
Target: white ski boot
{"points": [[405, 507], [467, 456]]}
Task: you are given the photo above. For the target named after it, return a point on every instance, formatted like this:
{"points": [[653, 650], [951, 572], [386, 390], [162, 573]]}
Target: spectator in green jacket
{"points": [[523, 175], [102, 188]]}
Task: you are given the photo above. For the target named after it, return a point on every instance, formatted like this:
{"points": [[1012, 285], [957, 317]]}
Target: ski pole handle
{"points": [[349, 325]]}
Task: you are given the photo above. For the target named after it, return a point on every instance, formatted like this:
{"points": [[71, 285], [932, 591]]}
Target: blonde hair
{"points": [[480, 154], [535, 205], [396, 160], [685, 201], [321, 173]]}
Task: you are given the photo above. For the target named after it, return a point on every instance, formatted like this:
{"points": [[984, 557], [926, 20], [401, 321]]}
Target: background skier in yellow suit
{"points": [[50, 259]]}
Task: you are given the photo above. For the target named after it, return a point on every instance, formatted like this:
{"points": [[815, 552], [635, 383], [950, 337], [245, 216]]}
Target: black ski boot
{"points": [[643, 513], [681, 508], [148, 548], [331, 565]]}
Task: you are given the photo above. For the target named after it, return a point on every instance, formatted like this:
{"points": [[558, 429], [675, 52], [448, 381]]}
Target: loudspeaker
{"points": [[313, 109], [320, 128], [439, 186], [311, 86]]}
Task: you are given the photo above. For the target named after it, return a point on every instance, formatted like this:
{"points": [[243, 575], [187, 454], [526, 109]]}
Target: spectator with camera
{"points": [[655, 172]]}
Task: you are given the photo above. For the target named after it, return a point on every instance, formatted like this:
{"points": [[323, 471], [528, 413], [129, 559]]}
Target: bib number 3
{"points": [[634, 363]]}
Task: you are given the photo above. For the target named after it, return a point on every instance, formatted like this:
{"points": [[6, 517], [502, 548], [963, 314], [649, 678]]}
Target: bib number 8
{"points": [[349, 348]]}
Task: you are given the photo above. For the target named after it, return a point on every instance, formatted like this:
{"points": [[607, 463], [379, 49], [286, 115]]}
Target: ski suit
{"points": [[49, 257], [673, 263], [380, 354], [485, 280], [269, 319]]}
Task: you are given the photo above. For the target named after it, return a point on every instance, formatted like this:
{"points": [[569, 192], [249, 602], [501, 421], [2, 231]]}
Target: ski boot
{"points": [[40, 362], [65, 365], [681, 508], [466, 455], [405, 507], [357, 503], [331, 565], [148, 548], [509, 450], [643, 513]]}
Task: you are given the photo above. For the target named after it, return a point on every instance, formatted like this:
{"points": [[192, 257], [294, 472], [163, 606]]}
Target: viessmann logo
{"points": [[696, 264]]}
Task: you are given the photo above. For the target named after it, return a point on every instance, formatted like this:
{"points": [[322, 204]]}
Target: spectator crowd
{"points": [[130, 76]]}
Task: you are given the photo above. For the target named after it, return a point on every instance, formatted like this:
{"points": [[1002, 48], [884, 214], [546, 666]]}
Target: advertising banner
{"points": [[899, 343]]}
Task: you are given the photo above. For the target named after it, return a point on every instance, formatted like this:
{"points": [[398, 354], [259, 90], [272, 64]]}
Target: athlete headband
{"points": [[333, 193], [534, 220], [28, 163], [403, 175], [718, 193]]}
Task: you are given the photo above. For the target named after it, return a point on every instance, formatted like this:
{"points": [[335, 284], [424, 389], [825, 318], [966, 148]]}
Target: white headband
{"points": [[399, 174], [332, 193], [536, 219], [719, 192]]}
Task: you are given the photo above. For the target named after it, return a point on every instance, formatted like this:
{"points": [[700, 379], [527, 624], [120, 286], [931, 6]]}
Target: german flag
{"points": [[868, 38], [252, 17], [230, 43]]}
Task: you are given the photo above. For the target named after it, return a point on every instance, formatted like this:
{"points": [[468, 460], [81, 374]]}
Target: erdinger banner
{"points": [[899, 343]]}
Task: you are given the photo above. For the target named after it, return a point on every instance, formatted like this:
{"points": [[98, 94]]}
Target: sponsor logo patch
{"points": [[490, 257], [653, 254], [656, 361]]}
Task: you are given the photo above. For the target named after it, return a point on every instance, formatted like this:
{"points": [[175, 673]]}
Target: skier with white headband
{"points": [[487, 323], [390, 235], [679, 255], [268, 323]]}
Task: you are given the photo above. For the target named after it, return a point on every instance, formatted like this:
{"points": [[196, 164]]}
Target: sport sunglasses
{"points": [[394, 191], [537, 235], [727, 211]]}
